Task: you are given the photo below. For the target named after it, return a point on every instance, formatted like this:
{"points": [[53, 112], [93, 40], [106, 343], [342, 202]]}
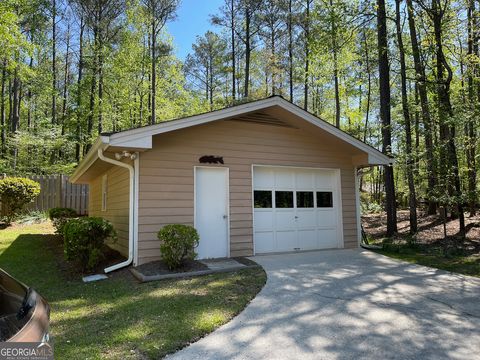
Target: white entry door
{"points": [[211, 211], [296, 209]]}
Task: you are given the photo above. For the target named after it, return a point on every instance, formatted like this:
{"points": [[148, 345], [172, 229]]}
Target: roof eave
{"points": [[92, 155], [380, 159], [142, 137], [375, 157]]}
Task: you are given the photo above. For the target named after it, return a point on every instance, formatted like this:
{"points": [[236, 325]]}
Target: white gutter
{"points": [[131, 231]]}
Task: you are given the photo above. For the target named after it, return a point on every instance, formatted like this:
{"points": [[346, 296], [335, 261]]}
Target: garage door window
{"points": [[262, 199], [284, 199], [305, 199], [324, 199]]}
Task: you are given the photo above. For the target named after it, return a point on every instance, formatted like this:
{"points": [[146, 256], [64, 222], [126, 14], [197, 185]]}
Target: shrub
{"points": [[371, 208], [84, 239], [60, 216], [178, 244], [15, 192]]}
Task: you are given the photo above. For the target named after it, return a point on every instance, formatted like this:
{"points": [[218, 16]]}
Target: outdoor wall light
{"points": [[124, 155]]}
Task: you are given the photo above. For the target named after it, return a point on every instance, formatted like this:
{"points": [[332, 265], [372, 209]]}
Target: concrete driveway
{"points": [[350, 304]]}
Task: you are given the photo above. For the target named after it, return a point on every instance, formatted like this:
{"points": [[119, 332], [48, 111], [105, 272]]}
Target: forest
{"points": [[401, 75]]}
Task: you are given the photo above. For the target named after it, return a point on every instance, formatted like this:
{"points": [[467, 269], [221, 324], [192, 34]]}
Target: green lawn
{"points": [[454, 262], [118, 317]]}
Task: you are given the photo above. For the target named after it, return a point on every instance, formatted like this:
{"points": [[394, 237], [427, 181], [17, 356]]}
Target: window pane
{"points": [[324, 199], [284, 199], [262, 199], [304, 199]]}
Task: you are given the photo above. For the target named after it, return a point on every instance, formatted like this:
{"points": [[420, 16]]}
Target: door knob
{"points": [[225, 216], [296, 217]]}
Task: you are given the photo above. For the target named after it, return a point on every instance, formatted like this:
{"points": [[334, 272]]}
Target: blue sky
{"points": [[192, 19]]}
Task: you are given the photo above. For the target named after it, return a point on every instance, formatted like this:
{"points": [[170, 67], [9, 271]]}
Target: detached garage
{"points": [[260, 177]]}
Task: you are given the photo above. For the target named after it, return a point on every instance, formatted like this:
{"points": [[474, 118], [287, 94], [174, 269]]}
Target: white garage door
{"points": [[296, 209]]}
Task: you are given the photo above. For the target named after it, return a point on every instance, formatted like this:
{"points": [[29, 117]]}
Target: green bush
{"points": [[371, 208], [15, 192], [178, 244], [84, 239], [60, 216]]}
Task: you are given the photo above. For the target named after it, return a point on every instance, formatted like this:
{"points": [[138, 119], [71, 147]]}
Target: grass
{"points": [[450, 260], [119, 317]]}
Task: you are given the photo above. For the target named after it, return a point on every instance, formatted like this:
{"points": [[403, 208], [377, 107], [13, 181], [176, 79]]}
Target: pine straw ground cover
{"points": [[429, 247], [120, 318]]}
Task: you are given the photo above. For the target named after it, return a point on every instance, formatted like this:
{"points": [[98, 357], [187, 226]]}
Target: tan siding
{"points": [[166, 176], [118, 198]]}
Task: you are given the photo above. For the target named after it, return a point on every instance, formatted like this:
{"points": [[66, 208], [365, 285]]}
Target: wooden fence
{"points": [[57, 191]]}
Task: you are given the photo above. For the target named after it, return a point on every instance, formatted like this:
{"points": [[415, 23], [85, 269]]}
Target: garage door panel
{"points": [[326, 218], [307, 239], [264, 220], [286, 240], [284, 219], [305, 180], [327, 238], [264, 241], [306, 218], [264, 178], [323, 180], [284, 179]]}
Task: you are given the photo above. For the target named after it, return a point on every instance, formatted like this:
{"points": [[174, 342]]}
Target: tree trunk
{"points": [[66, 75], [153, 88], [248, 51], [210, 75], [93, 87], [29, 91], [15, 115], [232, 39], [412, 200], [290, 50], [417, 131], [448, 151], [384, 80], [2, 109], [333, 28], [79, 94], [369, 87], [470, 132], [100, 91], [307, 56], [427, 121], [54, 62], [274, 67]]}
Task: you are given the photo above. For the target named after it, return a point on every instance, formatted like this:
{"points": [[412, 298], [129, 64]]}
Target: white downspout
{"points": [[357, 206], [131, 211]]}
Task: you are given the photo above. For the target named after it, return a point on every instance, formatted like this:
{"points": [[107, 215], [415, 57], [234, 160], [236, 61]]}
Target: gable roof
{"points": [[141, 138]]}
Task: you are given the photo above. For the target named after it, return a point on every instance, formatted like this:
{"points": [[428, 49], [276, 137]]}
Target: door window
{"points": [[305, 199], [262, 199], [284, 199], [324, 199]]}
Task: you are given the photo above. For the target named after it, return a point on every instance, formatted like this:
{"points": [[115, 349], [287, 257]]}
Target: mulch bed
{"points": [[160, 268], [69, 269], [430, 231]]}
